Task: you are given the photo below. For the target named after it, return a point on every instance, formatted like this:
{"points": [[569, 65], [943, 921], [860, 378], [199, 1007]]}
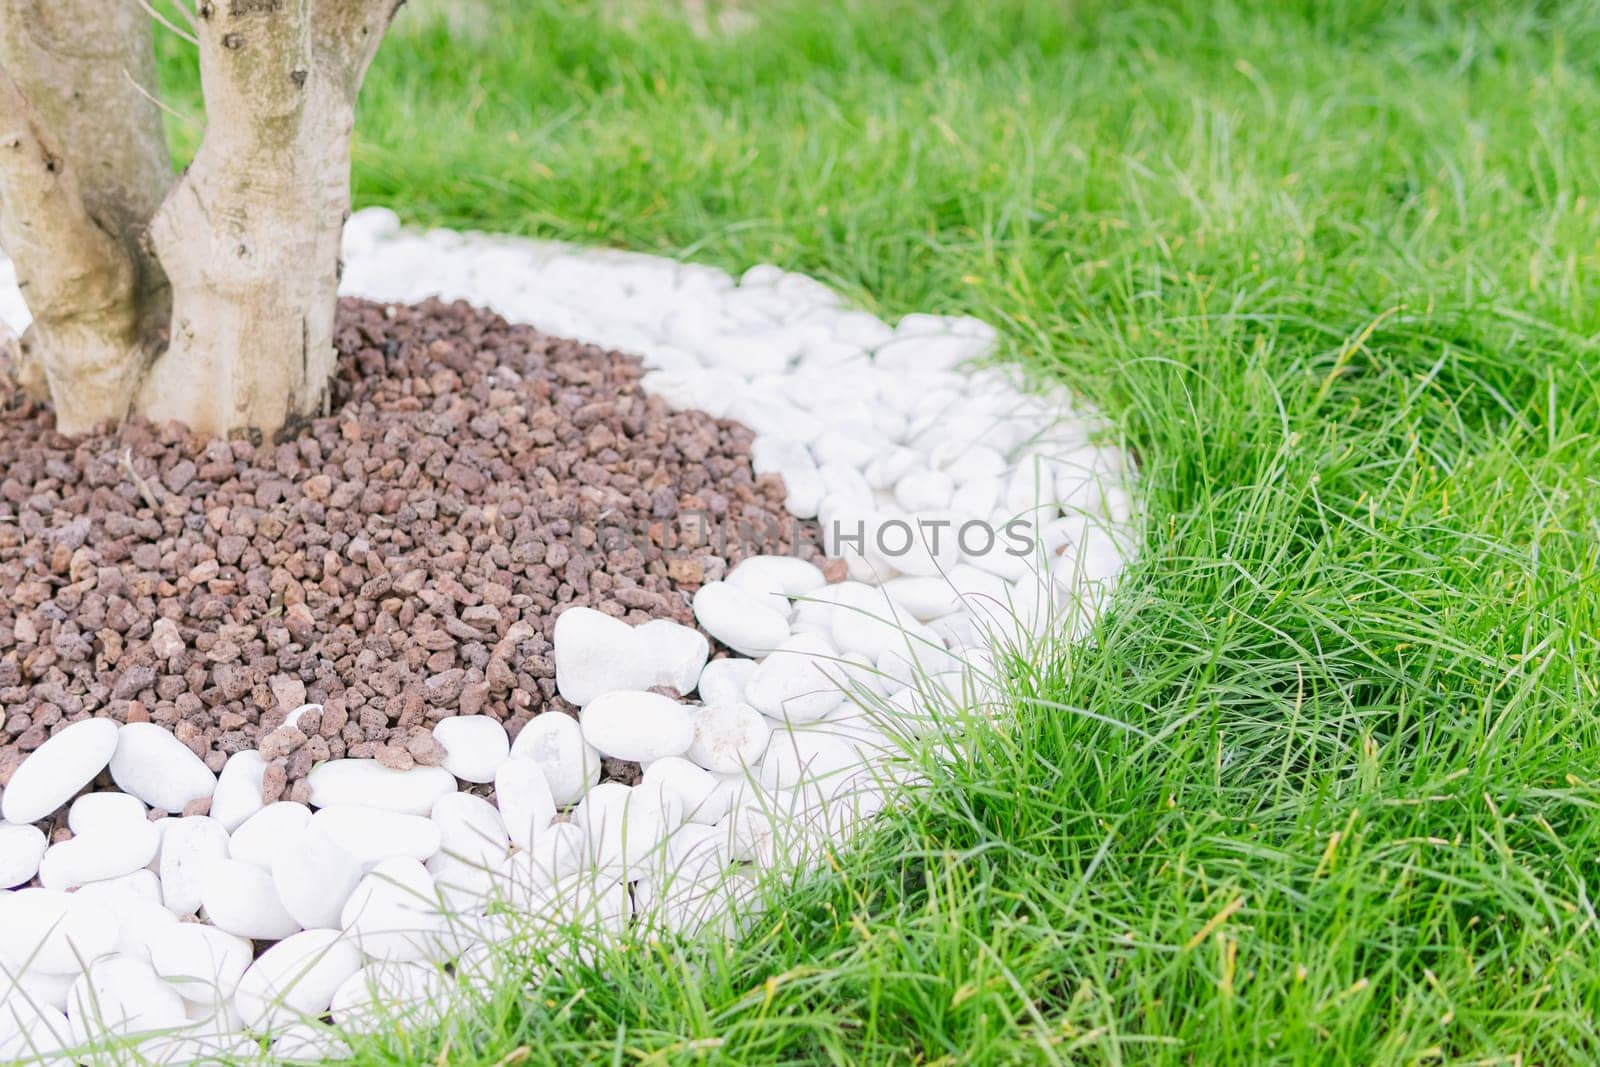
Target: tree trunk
{"points": [[80, 284], [250, 236], [85, 152], [212, 303], [89, 71]]}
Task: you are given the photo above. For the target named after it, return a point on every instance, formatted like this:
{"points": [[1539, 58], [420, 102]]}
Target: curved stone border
{"points": [[972, 514]]}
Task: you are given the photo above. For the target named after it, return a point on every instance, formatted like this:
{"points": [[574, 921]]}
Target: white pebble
{"points": [[808, 758], [264, 833], [102, 854], [121, 997], [723, 680], [25, 997], [969, 462], [919, 353], [845, 483], [394, 913], [626, 828], [559, 853], [57, 769], [686, 387], [887, 469], [159, 769], [867, 622], [870, 732], [911, 713], [142, 883], [188, 849], [570, 764], [728, 737], [776, 576], [762, 274], [372, 834], [526, 803], [803, 486], [189, 1049], [592, 651], [982, 592], [466, 891], [908, 664], [475, 746], [682, 783], [201, 962], [240, 898], [1096, 555], [770, 454], [923, 598], [21, 849], [698, 852], [853, 446], [141, 920], [925, 543], [471, 830], [104, 811], [924, 490], [671, 653], [365, 227], [32, 1031], [637, 725], [53, 932], [238, 794], [308, 1043], [790, 684], [391, 994], [372, 785], [314, 876], [857, 676], [295, 979], [740, 619], [976, 498], [1029, 493], [732, 790]]}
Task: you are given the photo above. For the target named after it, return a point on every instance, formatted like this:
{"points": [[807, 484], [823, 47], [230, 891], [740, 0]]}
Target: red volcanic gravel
{"points": [[399, 560]]}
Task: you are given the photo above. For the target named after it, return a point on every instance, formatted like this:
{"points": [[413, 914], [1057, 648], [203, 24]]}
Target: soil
{"points": [[398, 560]]}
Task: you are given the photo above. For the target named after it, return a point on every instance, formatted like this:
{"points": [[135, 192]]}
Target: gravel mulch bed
{"points": [[399, 560]]}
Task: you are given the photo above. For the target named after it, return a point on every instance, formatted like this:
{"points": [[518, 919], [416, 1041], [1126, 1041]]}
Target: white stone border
{"points": [[972, 513]]}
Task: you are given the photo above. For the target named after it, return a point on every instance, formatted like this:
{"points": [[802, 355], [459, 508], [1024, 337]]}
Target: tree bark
{"points": [[80, 283], [250, 235], [86, 69], [210, 301]]}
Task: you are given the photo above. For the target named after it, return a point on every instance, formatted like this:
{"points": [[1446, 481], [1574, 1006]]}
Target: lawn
{"points": [[1323, 785]]}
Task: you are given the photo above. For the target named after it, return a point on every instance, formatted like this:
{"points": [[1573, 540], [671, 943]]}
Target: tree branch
{"points": [[349, 32], [255, 61]]}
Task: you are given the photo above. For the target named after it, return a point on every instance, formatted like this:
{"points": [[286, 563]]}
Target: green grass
{"points": [[1334, 269]]}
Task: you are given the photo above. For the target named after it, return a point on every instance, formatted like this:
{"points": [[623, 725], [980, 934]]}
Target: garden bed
{"points": [[526, 642], [399, 560]]}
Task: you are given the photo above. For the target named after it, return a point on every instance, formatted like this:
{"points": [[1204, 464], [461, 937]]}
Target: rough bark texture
{"points": [[86, 70], [250, 235], [89, 72], [209, 301], [79, 281]]}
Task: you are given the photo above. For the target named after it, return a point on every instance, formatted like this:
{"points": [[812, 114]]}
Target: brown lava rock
{"points": [[399, 560]]}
